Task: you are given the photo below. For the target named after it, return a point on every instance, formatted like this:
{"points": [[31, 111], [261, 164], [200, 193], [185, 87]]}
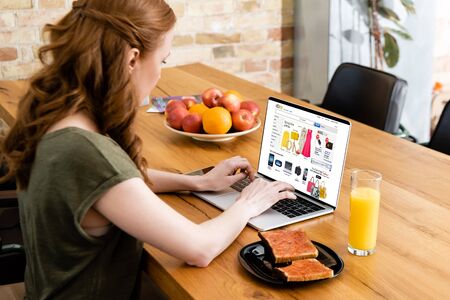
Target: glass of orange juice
{"points": [[364, 207]]}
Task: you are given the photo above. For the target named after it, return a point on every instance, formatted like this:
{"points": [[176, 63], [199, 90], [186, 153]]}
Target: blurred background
{"points": [[286, 45]]}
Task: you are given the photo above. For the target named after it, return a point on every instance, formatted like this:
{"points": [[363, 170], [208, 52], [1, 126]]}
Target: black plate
{"points": [[257, 260]]}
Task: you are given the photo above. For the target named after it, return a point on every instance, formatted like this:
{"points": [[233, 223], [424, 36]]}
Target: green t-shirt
{"points": [[72, 169]]}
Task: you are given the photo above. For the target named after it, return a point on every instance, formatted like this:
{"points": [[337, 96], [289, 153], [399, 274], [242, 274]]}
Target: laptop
{"points": [[303, 147]]}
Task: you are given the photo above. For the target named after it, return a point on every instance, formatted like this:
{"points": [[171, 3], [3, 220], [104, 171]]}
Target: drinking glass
{"points": [[364, 208]]}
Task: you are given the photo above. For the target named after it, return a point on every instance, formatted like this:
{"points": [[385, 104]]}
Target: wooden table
{"points": [[413, 249]]}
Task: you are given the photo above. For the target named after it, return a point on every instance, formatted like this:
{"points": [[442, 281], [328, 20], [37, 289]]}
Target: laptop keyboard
{"points": [[295, 207], [289, 207], [240, 185]]}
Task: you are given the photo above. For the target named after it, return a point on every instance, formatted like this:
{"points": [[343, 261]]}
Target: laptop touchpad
{"points": [[222, 199]]}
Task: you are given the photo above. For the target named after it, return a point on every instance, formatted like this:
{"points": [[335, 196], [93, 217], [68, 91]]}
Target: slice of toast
{"points": [[305, 270], [289, 245]]}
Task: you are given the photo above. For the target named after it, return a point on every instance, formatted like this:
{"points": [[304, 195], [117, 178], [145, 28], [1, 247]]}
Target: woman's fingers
{"points": [[287, 195], [236, 177], [228, 172], [242, 165], [262, 194], [283, 186]]}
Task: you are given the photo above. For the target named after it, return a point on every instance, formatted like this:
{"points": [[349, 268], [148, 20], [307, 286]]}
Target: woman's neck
{"points": [[79, 119]]}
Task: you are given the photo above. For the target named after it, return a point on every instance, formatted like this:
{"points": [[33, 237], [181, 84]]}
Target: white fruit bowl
{"points": [[206, 137]]}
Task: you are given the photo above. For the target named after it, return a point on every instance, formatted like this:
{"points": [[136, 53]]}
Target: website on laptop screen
{"points": [[305, 149]]}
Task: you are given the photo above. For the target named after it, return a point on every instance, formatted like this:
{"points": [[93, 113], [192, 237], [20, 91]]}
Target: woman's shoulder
{"points": [[76, 133], [78, 137], [78, 143]]}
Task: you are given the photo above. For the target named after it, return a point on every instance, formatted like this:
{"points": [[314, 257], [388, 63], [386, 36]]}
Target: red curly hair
{"points": [[85, 68]]}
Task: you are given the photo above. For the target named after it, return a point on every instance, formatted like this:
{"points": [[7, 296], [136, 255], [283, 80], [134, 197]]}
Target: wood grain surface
{"points": [[412, 256]]}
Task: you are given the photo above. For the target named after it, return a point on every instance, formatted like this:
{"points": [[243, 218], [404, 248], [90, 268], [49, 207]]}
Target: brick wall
{"points": [[20, 23], [252, 39]]}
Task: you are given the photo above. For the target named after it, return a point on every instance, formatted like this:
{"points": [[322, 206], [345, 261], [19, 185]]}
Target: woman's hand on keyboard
{"points": [[261, 194], [228, 172]]}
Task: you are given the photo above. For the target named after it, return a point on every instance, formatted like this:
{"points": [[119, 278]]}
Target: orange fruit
{"points": [[198, 108], [217, 120]]}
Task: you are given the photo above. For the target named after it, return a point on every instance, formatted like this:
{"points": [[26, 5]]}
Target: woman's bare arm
{"points": [[223, 175], [134, 208]]}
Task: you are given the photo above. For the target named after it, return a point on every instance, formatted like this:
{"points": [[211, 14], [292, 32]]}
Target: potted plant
{"points": [[383, 42]]}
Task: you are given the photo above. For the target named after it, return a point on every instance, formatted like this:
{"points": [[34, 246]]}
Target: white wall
{"points": [[349, 42], [311, 49], [349, 34], [416, 67]]}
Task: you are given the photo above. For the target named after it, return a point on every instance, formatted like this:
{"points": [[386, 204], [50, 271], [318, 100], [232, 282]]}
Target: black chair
{"points": [[370, 96], [12, 253], [440, 140]]}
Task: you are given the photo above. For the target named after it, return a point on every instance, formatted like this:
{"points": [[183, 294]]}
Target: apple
{"points": [[189, 102], [252, 106], [192, 123], [175, 117], [231, 101], [172, 104], [211, 97], [236, 93], [242, 120]]}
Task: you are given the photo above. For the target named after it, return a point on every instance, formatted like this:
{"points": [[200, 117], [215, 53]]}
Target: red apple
{"points": [[192, 123], [175, 117], [211, 97], [230, 101], [242, 120], [189, 102], [172, 104], [252, 106], [236, 93]]}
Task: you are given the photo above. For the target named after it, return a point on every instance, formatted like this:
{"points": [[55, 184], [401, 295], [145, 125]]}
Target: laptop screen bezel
{"points": [[319, 113]]}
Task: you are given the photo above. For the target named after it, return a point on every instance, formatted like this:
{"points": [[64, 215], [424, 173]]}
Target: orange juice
{"points": [[364, 206]]}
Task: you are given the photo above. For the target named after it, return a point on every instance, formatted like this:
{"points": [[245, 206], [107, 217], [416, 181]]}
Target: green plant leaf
{"points": [[391, 50], [388, 14], [403, 34], [409, 6], [403, 28]]}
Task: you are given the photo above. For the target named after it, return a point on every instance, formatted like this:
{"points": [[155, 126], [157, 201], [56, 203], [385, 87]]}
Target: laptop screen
{"points": [[305, 148]]}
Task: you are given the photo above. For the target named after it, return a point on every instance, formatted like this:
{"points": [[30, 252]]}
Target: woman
{"points": [[86, 195]]}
